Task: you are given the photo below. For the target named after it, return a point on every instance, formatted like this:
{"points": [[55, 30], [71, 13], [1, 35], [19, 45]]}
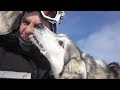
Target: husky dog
{"points": [[66, 59], [7, 21]]}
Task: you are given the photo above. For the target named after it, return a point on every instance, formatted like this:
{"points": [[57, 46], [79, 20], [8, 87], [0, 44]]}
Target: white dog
{"points": [[66, 59]]}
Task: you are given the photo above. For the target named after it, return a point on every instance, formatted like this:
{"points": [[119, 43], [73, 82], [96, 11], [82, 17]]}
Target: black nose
{"points": [[40, 26]]}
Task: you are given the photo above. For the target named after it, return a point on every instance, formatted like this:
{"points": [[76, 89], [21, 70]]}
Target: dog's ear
{"points": [[71, 49], [9, 20], [74, 66]]}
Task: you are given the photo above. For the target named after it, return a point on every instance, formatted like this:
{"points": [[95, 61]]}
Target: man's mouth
{"points": [[24, 40]]}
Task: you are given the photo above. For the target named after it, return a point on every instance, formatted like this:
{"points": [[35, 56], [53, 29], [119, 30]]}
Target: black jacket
{"points": [[13, 58]]}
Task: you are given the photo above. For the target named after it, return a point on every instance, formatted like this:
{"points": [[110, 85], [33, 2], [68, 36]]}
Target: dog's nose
{"points": [[40, 26]]}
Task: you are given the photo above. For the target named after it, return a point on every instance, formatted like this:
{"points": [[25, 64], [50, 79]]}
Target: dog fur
{"points": [[66, 59], [7, 19]]}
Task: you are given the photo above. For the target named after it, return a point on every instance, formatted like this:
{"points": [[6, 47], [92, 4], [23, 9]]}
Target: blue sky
{"points": [[94, 32]]}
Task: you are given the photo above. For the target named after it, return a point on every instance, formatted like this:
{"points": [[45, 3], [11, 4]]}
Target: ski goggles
{"points": [[53, 16]]}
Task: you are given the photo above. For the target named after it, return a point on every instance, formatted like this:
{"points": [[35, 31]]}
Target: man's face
{"points": [[29, 22]]}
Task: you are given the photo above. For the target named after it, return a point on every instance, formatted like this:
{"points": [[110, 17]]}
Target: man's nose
{"points": [[29, 29]]}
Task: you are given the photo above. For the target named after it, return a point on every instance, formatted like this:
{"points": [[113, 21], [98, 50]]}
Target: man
{"points": [[19, 58]]}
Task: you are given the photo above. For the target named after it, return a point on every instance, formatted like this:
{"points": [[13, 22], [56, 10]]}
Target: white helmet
{"points": [[55, 19]]}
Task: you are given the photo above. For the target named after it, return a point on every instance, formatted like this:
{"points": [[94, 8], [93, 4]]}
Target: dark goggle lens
{"points": [[51, 14]]}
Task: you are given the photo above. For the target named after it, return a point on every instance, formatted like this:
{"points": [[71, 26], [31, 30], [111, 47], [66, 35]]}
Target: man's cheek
{"points": [[21, 29]]}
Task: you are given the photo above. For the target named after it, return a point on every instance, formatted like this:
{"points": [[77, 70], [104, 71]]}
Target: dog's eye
{"points": [[61, 43]]}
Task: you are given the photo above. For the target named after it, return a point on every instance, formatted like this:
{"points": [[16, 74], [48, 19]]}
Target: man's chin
{"points": [[25, 41]]}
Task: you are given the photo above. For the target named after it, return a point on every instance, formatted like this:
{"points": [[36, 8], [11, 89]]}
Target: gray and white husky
{"points": [[66, 59]]}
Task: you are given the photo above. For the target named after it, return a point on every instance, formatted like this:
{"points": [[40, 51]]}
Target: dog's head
{"points": [[58, 49]]}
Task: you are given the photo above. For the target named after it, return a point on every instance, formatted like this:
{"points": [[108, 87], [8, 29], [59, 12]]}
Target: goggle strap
{"points": [[53, 27]]}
